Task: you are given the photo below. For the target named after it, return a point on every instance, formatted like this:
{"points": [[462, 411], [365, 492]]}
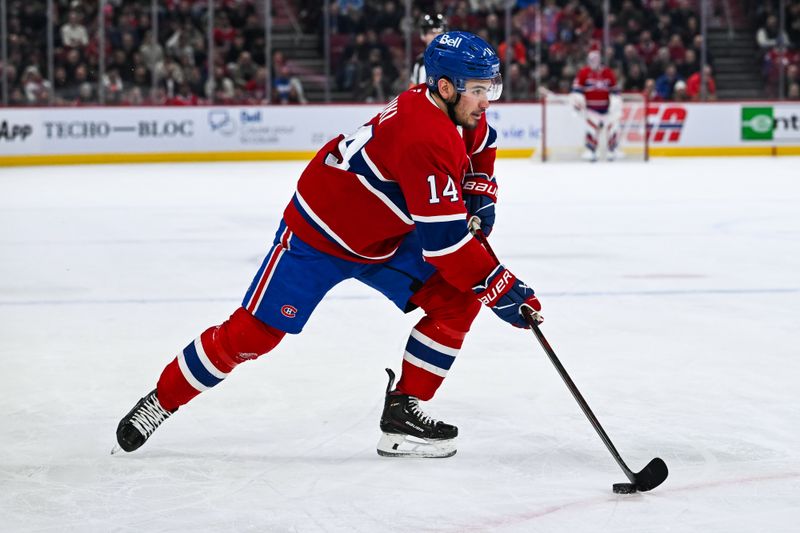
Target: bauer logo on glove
{"points": [[507, 296]]}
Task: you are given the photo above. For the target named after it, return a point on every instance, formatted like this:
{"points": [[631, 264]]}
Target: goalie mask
{"points": [[593, 59]]}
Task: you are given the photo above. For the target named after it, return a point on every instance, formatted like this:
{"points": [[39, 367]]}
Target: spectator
{"points": [[73, 33], [377, 89], [72, 90], [113, 86], [629, 12], [348, 76], [287, 89], [677, 52], [224, 33], [60, 83], [793, 24], [36, 89], [133, 97], [235, 48], [388, 18], [256, 86], [690, 64], [518, 83], [184, 96], [630, 57], [141, 77], [794, 92], [679, 92], [151, 51], [85, 94], [694, 83], [792, 76], [688, 32], [659, 64], [495, 32], [122, 64], [243, 70], [634, 79], [680, 16], [665, 83], [662, 30], [650, 90], [768, 36], [648, 49]]}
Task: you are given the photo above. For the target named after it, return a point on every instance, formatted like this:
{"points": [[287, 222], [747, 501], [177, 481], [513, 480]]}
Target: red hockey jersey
{"points": [[596, 85], [402, 171]]}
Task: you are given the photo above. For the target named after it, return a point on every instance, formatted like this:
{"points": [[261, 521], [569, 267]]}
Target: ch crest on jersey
{"points": [[289, 311]]}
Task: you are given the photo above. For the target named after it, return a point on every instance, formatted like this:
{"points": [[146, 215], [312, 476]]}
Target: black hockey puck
{"points": [[624, 488]]}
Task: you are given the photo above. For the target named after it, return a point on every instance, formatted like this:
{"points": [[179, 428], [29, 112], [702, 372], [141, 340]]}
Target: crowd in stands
{"points": [[779, 47], [654, 44], [142, 67], [654, 48]]}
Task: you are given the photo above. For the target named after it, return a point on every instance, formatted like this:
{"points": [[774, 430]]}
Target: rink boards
{"points": [[33, 136]]}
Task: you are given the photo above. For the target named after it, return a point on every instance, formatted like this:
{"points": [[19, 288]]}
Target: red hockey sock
{"points": [[436, 339], [208, 360]]}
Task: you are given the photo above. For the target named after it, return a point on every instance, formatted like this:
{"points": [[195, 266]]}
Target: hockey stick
{"points": [[651, 475]]}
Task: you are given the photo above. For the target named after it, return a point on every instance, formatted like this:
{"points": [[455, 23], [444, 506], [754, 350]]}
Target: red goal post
{"points": [[564, 130]]}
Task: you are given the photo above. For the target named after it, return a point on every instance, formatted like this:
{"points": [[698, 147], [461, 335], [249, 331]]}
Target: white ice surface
{"points": [[671, 293]]}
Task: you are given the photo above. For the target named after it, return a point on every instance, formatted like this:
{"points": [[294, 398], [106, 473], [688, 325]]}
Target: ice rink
{"points": [[671, 293]]}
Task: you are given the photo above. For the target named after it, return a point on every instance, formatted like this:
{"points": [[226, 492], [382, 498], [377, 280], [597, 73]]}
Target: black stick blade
{"points": [[652, 475]]}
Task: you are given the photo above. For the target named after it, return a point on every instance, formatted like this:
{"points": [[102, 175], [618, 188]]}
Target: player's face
{"points": [[473, 103]]}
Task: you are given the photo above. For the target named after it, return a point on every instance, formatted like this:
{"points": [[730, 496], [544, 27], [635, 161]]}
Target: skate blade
{"points": [[398, 445], [116, 449]]}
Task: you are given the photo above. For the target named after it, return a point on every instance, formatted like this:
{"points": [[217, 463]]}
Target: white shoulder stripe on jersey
{"points": [[385, 199], [372, 166], [439, 218], [333, 235], [430, 343], [483, 142], [449, 249]]}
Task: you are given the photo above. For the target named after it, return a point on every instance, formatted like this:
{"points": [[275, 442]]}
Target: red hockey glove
{"points": [[507, 296]]}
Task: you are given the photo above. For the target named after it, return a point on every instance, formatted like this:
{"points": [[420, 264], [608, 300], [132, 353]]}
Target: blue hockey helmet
{"points": [[460, 56]]}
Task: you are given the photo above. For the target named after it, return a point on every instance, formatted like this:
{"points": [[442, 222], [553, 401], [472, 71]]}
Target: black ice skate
{"points": [[409, 432], [136, 427]]}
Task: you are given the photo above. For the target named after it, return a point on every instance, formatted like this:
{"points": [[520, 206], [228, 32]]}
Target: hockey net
{"points": [[564, 130]]}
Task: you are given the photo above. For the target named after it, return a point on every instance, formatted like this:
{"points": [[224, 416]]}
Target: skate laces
{"points": [[413, 405], [149, 416]]}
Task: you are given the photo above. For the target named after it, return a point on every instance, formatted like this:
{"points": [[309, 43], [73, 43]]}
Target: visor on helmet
{"points": [[490, 89]]}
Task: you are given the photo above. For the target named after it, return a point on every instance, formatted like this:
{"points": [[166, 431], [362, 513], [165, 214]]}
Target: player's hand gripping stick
{"points": [[502, 291]]}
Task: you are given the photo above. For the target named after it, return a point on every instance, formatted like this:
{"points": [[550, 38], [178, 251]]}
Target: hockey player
{"points": [[595, 96], [387, 205], [429, 27]]}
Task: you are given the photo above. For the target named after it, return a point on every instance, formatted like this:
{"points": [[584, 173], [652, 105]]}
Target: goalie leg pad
{"points": [[399, 445], [592, 133], [207, 361]]}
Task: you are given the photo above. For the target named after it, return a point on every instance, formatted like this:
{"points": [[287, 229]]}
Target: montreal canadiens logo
{"points": [[289, 311]]}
